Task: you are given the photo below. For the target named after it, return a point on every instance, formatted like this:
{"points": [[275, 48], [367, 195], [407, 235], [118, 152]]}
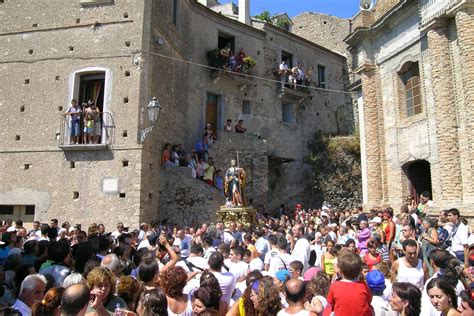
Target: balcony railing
{"points": [[82, 131]]}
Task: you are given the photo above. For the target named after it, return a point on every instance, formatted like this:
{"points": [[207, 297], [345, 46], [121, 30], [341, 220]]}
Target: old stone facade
{"points": [[414, 101], [123, 53]]}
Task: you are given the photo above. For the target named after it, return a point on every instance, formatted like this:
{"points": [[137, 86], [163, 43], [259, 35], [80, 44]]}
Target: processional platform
{"points": [[244, 215]]}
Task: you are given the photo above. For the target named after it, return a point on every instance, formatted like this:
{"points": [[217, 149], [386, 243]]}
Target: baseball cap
{"points": [[376, 220], [283, 275], [376, 281]]}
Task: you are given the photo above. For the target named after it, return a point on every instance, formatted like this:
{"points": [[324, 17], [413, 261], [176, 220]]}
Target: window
{"points": [[411, 82], [175, 12], [6, 209], [29, 210], [321, 76], [288, 58], [246, 107], [287, 113], [226, 41]]}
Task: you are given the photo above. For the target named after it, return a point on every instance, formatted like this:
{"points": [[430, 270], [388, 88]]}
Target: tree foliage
{"points": [[336, 170], [266, 16]]}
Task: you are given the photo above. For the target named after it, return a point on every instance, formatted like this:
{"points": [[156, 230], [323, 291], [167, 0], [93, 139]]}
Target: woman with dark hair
{"points": [[351, 245], [467, 303], [265, 297], [443, 297], [372, 257], [50, 303], [152, 303], [317, 290], [206, 298], [244, 305], [429, 239], [173, 282], [405, 299]]}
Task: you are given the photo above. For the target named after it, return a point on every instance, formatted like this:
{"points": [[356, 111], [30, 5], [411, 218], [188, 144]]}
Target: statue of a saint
{"points": [[235, 184]]}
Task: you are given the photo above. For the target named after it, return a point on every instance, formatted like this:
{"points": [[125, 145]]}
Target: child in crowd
{"points": [[219, 181], [200, 169], [349, 296], [296, 269]]}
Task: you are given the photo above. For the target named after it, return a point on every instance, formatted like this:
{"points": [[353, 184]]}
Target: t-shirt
{"points": [[209, 171], [349, 298], [269, 255], [301, 251], [279, 262], [238, 269], [460, 238], [227, 284], [197, 263], [208, 252], [184, 245], [262, 247]]}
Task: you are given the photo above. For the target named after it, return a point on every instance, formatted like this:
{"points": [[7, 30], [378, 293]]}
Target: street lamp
{"points": [[153, 109]]}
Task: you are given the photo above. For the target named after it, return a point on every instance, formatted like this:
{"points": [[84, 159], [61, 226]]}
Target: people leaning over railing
{"points": [[85, 126]]}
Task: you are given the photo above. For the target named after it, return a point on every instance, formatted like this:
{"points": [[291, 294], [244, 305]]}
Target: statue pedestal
{"points": [[244, 215]]}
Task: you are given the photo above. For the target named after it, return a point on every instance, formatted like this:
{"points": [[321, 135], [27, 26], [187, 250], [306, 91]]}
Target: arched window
{"points": [[411, 81]]}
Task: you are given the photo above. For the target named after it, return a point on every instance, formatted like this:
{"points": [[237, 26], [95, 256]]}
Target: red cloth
{"points": [[371, 262], [349, 298]]}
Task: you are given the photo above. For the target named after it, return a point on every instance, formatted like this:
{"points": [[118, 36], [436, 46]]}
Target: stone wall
{"points": [[323, 29], [186, 201]]}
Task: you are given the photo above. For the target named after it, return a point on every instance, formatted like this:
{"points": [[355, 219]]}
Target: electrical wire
{"points": [[240, 74]]}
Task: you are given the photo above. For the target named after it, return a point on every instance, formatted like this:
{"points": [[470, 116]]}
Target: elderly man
{"points": [[31, 291], [183, 241], [74, 300], [112, 262], [295, 293]]}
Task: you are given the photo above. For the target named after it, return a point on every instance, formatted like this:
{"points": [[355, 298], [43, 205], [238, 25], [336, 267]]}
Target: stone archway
{"points": [[418, 174]]}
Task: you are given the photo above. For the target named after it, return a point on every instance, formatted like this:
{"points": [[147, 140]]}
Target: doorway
{"points": [[418, 173], [211, 111]]}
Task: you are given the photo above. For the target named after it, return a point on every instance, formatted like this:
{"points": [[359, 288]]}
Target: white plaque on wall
{"points": [[110, 185]]}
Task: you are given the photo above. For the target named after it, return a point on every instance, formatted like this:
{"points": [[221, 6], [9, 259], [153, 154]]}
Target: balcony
{"points": [[229, 68], [294, 90], [84, 132]]}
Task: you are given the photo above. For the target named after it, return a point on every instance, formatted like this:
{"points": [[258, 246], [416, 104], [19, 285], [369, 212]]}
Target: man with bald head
{"points": [[74, 300], [295, 293], [183, 241], [301, 249]]}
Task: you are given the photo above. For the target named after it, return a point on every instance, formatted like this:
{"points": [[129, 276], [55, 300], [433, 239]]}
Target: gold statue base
{"points": [[244, 215]]}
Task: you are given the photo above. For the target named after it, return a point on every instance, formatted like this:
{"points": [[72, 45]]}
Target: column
{"points": [[448, 170], [373, 150], [465, 27]]}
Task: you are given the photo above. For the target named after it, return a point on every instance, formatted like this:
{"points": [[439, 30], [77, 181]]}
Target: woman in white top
{"points": [[173, 282]]}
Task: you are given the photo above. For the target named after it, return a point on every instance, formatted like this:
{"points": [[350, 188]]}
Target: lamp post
{"points": [[153, 109]]}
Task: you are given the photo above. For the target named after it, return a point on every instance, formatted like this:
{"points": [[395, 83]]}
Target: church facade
{"points": [[415, 95]]}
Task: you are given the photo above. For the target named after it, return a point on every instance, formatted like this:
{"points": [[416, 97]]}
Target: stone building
{"points": [[415, 97], [121, 53]]}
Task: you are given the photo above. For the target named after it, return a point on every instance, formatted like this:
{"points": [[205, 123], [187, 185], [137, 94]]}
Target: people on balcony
{"points": [[228, 125], [75, 112], [88, 124], [283, 72], [239, 127], [211, 137]]}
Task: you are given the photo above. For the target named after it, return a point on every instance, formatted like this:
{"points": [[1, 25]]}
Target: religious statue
{"points": [[235, 184]]}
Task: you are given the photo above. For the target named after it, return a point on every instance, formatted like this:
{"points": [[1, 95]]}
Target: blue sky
{"points": [[340, 8]]}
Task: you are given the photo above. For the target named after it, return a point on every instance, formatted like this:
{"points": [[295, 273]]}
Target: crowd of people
{"points": [[198, 160], [85, 125], [304, 262]]}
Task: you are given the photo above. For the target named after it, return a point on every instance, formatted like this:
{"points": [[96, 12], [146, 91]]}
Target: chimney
{"points": [[244, 11]]}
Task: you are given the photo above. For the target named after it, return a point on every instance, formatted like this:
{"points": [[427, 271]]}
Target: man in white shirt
{"points": [[283, 71], [226, 279], [235, 264], [119, 230], [272, 240], [282, 260], [206, 243], [193, 265], [261, 244], [31, 291], [183, 241], [459, 237], [301, 250]]}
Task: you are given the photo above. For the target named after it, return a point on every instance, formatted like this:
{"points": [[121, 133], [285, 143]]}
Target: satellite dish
{"points": [[366, 4]]}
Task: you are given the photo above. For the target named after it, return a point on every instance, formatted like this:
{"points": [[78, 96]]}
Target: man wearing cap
{"points": [[376, 282]]}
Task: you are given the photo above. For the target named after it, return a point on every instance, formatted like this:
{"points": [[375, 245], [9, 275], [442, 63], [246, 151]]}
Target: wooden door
{"points": [[211, 111]]}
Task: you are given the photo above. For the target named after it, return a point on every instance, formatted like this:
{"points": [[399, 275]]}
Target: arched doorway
{"points": [[418, 173]]}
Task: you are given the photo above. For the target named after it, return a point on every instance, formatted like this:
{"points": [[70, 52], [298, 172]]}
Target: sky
{"points": [[340, 8]]}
